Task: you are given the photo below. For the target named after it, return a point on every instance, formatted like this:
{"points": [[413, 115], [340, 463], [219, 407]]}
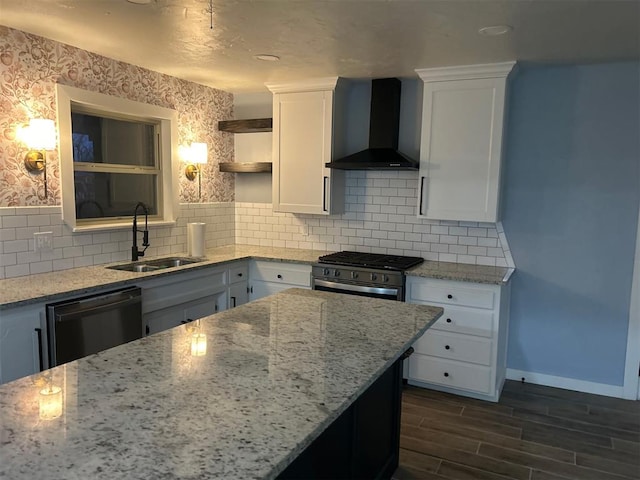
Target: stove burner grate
{"points": [[371, 260]]}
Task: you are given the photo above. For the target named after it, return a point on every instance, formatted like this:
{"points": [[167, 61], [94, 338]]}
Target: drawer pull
{"points": [[279, 276], [447, 347], [448, 320], [446, 374], [240, 274], [449, 296]]}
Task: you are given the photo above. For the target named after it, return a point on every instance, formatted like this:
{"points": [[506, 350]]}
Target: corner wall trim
{"points": [[566, 383]]}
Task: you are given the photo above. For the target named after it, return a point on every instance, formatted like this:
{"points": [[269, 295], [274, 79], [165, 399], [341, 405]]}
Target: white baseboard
{"points": [[566, 383]]}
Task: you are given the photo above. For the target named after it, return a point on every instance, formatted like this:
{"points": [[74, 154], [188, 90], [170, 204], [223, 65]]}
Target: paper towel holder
{"points": [[194, 155]]}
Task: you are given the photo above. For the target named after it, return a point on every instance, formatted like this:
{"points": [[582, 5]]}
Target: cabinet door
{"points": [[461, 142], [204, 307], [238, 294], [21, 348], [170, 317], [263, 289], [302, 127], [163, 319]]}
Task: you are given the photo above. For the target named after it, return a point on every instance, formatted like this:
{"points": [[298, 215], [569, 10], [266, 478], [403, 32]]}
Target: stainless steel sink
{"points": [[153, 265]]}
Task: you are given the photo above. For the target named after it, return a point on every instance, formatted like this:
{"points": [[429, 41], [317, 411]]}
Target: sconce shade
{"points": [[198, 153], [41, 134]]}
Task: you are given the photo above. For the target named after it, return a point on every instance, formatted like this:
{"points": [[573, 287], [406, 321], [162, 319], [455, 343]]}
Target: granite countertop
{"points": [[275, 374], [462, 272], [52, 286], [78, 281]]}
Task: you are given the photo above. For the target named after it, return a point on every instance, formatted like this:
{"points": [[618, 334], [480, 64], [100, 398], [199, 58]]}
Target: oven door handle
{"points": [[356, 288]]}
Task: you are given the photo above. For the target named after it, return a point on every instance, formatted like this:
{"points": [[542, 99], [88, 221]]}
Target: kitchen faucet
{"points": [[135, 253]]}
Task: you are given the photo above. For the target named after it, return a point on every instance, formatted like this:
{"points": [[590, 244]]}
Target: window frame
{"points": [[114, 107]]}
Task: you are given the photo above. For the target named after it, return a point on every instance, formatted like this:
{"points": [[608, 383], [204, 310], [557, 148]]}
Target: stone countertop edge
{"points": [[53, 286], [462, 272], [276, 373]]}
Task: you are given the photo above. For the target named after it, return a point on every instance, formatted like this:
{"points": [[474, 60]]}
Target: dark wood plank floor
{"points": [[533, 433]]}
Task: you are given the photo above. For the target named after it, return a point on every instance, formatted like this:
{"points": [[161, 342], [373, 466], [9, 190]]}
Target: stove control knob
{"points": [[385, 278], [374, 277], [354, 275], [337, 273], [326, 271]]}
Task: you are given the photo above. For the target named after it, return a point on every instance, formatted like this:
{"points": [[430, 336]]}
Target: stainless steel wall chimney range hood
{"points": [[384, 125]]}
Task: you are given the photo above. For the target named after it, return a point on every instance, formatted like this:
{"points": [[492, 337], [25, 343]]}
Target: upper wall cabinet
{"points": [[304, 121], [461, 142]]}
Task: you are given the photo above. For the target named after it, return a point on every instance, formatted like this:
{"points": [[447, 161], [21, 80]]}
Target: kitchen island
{"points": [[245, 393]]}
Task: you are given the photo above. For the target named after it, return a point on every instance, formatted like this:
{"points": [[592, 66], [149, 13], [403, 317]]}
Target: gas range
{"points": [[365, 274]]}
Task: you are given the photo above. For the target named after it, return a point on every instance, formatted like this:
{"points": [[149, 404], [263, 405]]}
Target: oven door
{"points": [[387, 293]]}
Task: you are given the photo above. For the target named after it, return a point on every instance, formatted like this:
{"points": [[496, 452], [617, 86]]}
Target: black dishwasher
{"points": [[86, 325]]}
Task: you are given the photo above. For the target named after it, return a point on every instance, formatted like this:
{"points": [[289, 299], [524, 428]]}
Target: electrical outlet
{"points": [[43, 242], [304, 229]]}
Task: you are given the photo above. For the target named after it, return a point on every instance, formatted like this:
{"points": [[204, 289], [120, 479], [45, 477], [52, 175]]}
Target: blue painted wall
{"points": [[570, 213]]}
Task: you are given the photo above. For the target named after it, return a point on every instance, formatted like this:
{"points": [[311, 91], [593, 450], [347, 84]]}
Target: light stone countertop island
{"points": [[276, 373]]}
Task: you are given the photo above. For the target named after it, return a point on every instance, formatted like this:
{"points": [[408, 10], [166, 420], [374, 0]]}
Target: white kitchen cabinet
{"points": [[238, 284], [305, 136], [465, 351], [172, 299], [268, 278], [22, 352], [461, 141]]}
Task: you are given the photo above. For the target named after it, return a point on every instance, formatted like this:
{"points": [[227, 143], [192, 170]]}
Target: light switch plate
{"points": [[43, 242]]}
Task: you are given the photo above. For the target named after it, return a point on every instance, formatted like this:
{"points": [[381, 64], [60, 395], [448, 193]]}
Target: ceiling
{"points": [[348, 38]]}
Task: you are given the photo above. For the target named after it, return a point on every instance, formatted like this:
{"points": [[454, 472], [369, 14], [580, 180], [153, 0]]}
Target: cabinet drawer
{"points": [[467, 321], [453, 374], [181, 288], [291, 274], [452, 293], [238, 274], [455, 347]]}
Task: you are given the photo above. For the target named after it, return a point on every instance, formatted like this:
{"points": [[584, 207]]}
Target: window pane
{"points": [[103, 195], [106, 140]]}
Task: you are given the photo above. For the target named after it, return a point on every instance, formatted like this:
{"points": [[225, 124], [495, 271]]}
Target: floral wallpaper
{"points": [[30, 67]]}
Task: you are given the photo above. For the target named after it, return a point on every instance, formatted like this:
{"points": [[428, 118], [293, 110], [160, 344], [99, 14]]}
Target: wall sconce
{"points": [[50, 401], [40, 136], [195, 155]]}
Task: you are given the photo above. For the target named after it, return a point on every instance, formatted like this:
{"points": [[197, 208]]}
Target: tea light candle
{"points": [[50, 403], [198, 344]]}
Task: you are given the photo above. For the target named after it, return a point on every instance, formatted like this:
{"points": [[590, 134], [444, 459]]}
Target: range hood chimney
{"points": [[384, 125]]}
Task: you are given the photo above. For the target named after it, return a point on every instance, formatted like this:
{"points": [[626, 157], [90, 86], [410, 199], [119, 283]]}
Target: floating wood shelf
{"points": [[249, 167], [252, 125]]}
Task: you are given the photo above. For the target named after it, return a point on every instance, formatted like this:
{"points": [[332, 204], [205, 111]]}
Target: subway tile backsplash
{"points": [[17, 226], [379, 217]]}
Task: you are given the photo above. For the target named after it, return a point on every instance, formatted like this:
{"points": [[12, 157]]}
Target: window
{"points": [[114, 153]]}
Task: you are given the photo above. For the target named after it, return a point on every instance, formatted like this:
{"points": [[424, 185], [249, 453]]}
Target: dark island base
{"points": [[363, 443]]}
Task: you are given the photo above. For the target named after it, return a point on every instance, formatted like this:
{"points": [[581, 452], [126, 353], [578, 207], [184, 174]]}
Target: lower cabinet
{"points": [[465, 351], [238, 284], [23, 342], [171, 300], [268, 278]]}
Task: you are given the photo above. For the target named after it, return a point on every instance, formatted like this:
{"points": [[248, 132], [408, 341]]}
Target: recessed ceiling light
{"points": [[267, 58], [140, 2], [495, 30]]}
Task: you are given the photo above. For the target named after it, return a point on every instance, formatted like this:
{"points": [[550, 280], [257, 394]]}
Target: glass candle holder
{"points": [[198, 344], [50, 403]]}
